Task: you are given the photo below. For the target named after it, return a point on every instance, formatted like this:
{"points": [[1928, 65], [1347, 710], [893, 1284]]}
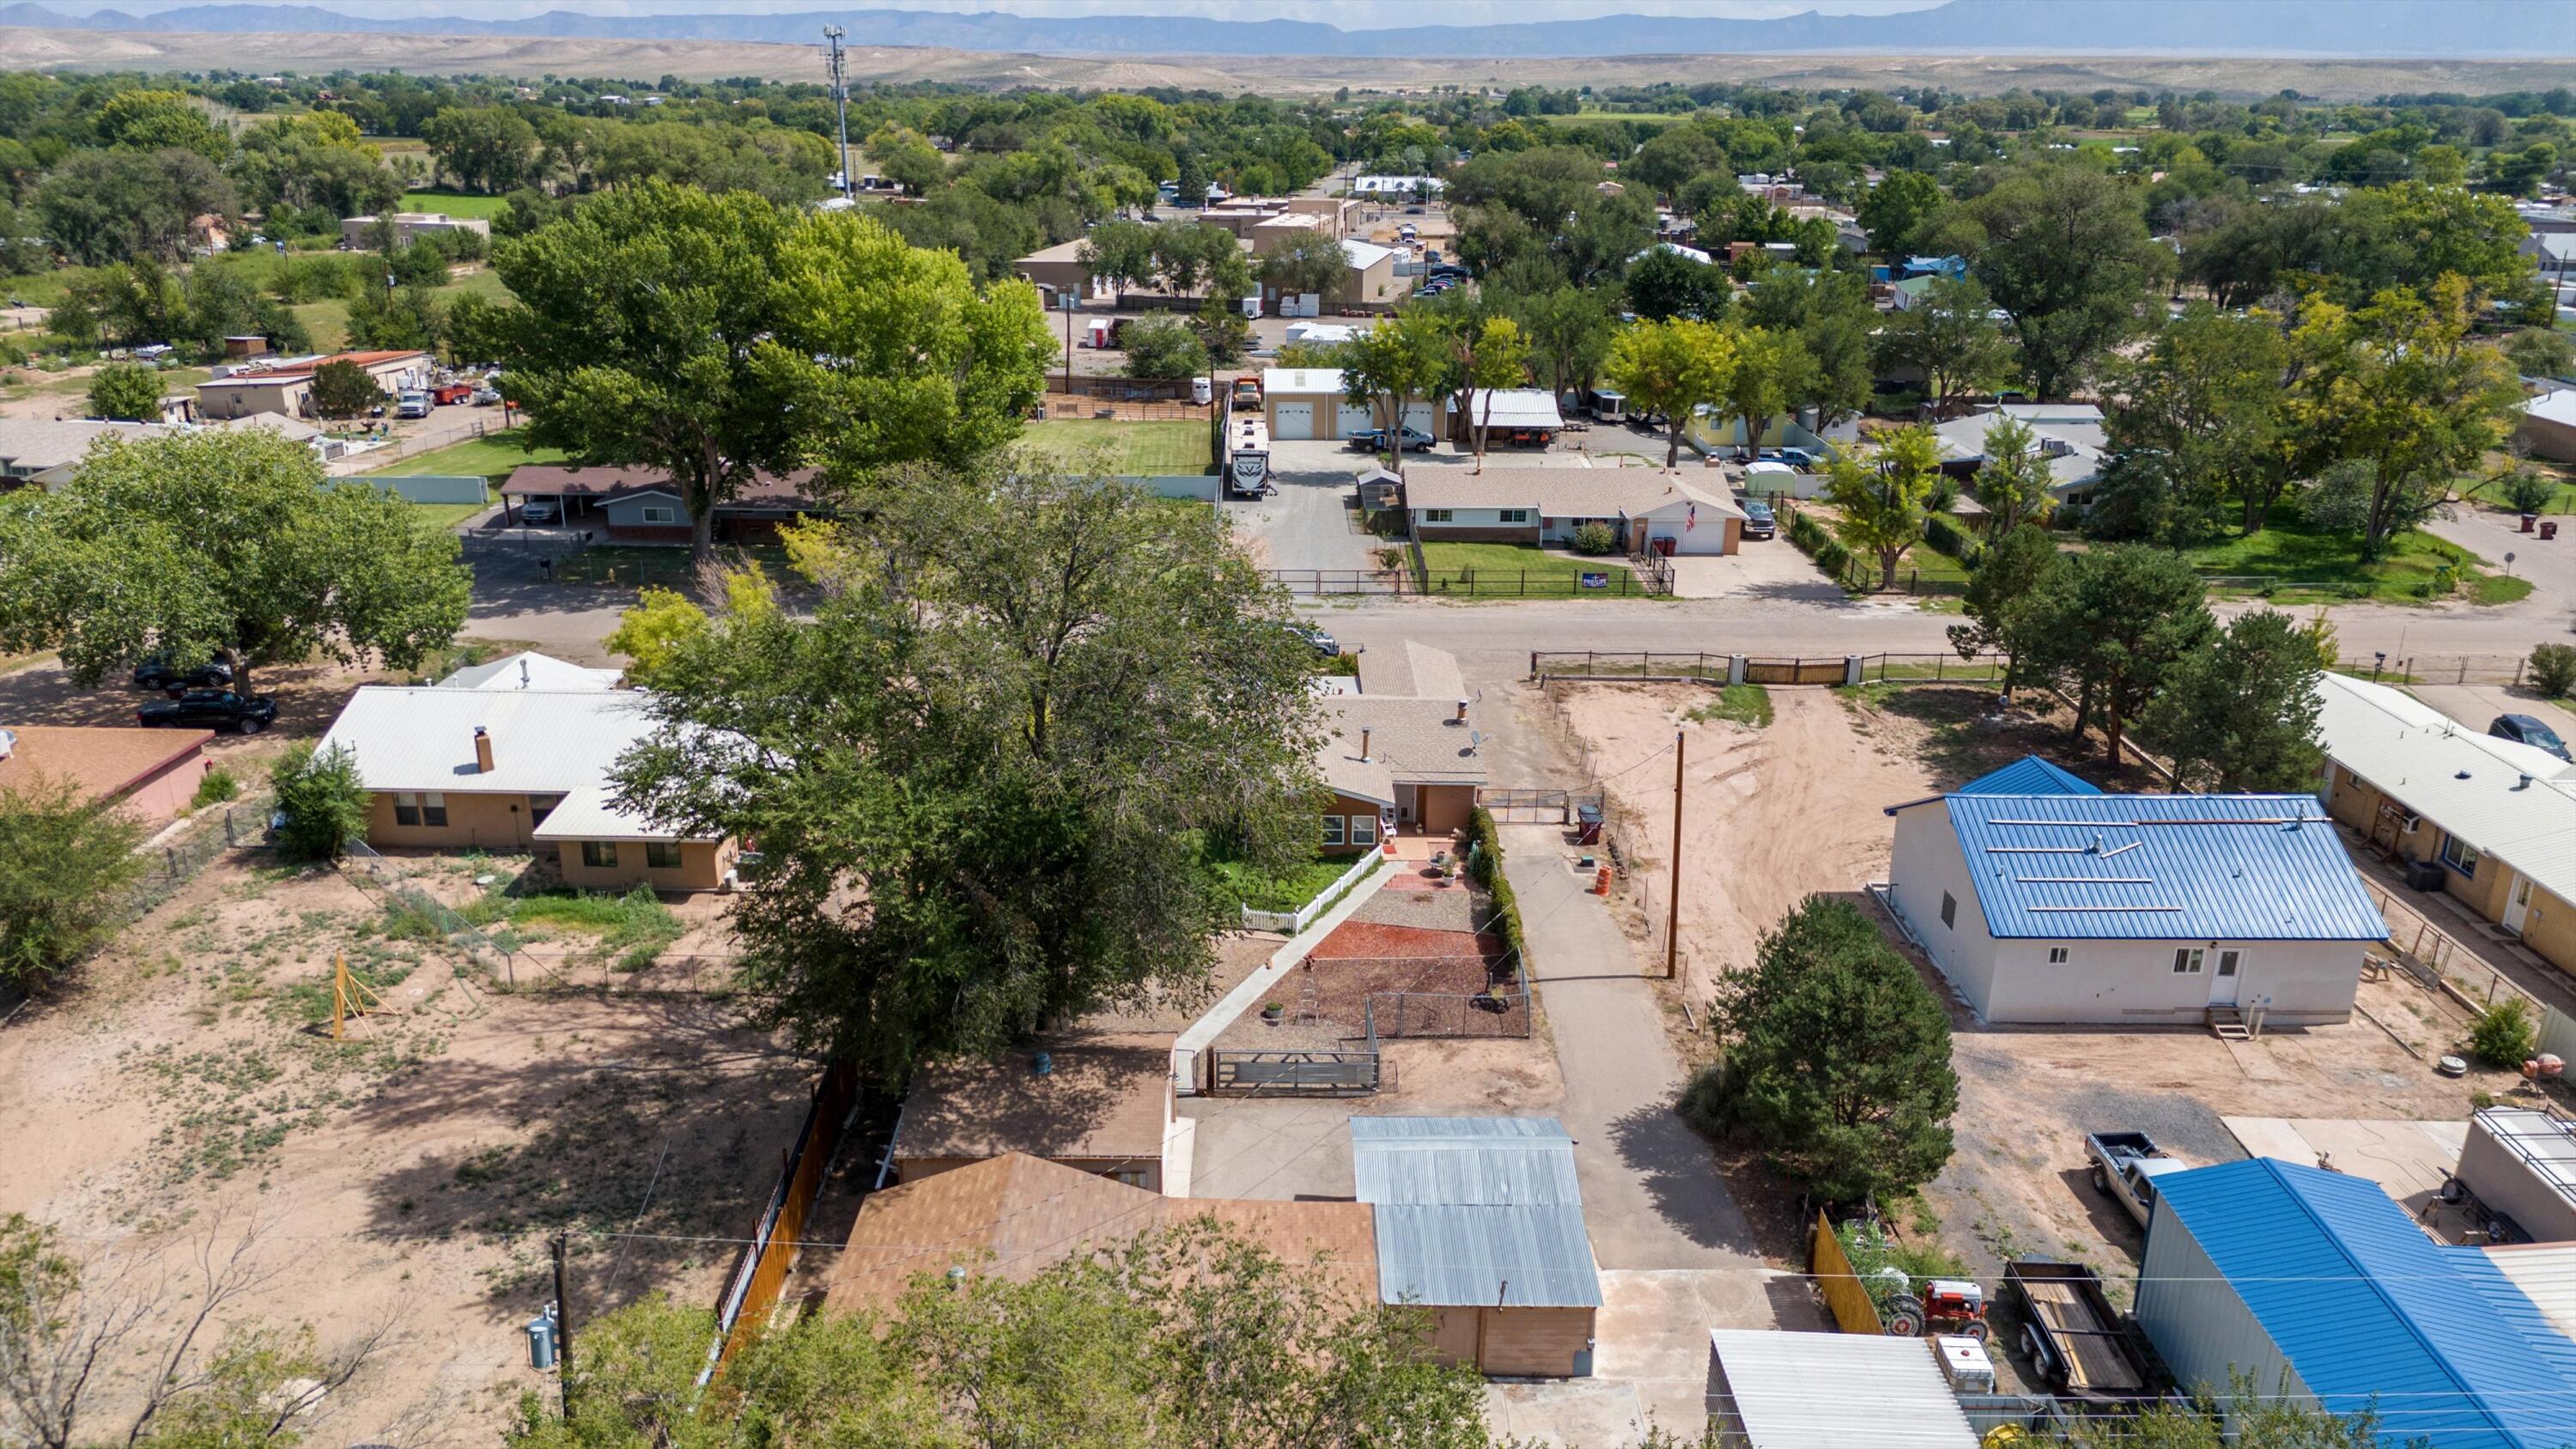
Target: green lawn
{"points": [[1288, 890], [327, 320], [2312, 566], [492, 456], [1518, 570], [455, 203], [1168, 450]]}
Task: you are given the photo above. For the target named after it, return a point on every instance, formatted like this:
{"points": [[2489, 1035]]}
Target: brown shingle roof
{"points": [[103, 762], [1103, 1097]]}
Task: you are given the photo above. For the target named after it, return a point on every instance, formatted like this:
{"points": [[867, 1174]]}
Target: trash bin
{"points": [[2549, 529], [1587, 825], [2527, 521]]}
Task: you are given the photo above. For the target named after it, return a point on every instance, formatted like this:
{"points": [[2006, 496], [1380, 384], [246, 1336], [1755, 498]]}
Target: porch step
{"points": [[2228, 1024]]}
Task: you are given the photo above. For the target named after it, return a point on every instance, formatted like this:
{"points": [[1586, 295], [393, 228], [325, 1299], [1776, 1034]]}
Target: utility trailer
{"points": [[2073, 1335]]}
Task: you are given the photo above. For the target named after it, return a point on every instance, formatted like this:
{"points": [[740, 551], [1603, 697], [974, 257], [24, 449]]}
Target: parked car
{"points": [[538, 510], [1323, 642], [412, 403], [2126, 1166], [1759, 521], [485, 397], [158, 673], [1374, 440], [1798, 458], [2523, 729], [211, 709], [1450, 270]]}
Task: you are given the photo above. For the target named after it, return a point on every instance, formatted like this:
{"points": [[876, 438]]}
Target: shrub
{"points": [[2504, 1035], [2553, 670], [1485, 869], [125, 392], [1944, 535], [218, 786], [2528, 492], [324, 803], [1595, 539], [64, 869]]}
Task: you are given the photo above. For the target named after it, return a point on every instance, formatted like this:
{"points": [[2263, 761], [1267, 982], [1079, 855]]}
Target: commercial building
{"points": [[1058, 270], [1302, 404], [2073, 908], [1645, 509], [286, 387]]}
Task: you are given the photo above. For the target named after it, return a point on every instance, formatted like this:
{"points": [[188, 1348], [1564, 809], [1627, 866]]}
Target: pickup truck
{"points": [[412, 403], [216, 709], [2126, 1166], [1374, 440]]}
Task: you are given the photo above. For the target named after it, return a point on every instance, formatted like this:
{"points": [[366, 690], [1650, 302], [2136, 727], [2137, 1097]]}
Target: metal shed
{"points": [[1832, 1391]]}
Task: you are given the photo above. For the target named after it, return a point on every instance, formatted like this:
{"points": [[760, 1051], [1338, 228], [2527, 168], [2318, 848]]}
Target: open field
{"points": [[494, 455], [1148, 449], [455, 203], [2241, 78]]}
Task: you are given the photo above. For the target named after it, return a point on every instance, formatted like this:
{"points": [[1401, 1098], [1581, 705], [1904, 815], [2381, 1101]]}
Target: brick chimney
{"points": [[482, 750], [1364, 741], [1462, 713]]}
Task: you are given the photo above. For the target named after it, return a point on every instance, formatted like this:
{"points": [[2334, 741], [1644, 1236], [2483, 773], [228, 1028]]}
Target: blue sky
{"points": [[1348, 14]]}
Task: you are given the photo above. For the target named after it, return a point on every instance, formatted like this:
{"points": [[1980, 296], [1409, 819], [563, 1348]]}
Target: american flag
{"points": [[1690, 520]]}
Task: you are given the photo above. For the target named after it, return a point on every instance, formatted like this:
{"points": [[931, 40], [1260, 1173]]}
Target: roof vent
{"points": [[2523, 784], [2462, 775]]}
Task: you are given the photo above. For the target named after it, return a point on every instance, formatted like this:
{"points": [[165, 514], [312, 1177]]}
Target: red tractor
{"points": [[1948, 1305]]}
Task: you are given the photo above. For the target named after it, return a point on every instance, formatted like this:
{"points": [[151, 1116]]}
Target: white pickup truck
{"points": [[2126, 1166]]}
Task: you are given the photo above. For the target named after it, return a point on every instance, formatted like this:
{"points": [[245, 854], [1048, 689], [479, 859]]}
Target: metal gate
{"points": [[1795, 671]]}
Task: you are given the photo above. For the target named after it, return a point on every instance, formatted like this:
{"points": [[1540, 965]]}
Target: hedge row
{"points": [[1944, 535], [1485, 868], [1815, 543]]}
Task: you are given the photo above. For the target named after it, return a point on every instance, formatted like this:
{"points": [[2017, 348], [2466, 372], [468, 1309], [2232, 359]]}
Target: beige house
{"points": [[2492, 820], [2548, 426], [1646, 509], [410, 226], [1406, 764], [1098, 1104], [518, 770]]}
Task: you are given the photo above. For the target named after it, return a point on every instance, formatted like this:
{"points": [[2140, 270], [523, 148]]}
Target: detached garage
{"points": [[1305, 404]]}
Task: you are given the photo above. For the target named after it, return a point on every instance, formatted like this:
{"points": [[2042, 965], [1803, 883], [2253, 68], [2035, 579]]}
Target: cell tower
{"points": [[837, 60]]}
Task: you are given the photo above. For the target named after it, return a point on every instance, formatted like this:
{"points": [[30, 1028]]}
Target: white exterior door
{"points": [[2225, 979], [1294, 422], [2518, 904]]}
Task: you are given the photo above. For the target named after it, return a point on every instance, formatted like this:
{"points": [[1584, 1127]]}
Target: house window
{"points": [[1439, 515], [433, 809], [406, 808], [599, 854], [1332, 830], [541, 806], [2056, 955], [2351, 780], [2228, 961], [1949, 909], [660, 513], [1363, 830], [1132, 1176], [2459, 855], [1515, 515], [662, 854], [2187, 962]]}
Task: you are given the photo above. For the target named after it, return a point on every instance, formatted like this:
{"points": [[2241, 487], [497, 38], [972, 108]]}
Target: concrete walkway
{"points": [[1256, 987]]}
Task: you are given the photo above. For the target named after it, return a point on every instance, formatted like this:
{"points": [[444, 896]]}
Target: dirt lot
{"points": [[186, 1084]]}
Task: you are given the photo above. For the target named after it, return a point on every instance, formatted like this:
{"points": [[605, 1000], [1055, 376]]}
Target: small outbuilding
{"points": [[2520, 1163], [1777, 1390], [2547, 427], [1100, 1104], [151, 775]]}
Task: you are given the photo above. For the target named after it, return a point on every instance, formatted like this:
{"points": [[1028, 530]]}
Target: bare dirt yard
{"points": [[184, 1086]]}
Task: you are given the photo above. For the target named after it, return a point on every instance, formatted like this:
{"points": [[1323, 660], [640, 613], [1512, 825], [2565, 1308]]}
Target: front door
{"points": [[2518, 904], [2223, 982]]}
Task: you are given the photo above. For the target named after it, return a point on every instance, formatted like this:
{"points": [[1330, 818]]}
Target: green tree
{"points": [[983, 759], [2013, 479], [1389, 366], [1119, 252], [1831, 315], [65, 866], [2249, 1419], [2207, 398], [2553, 669], [2536, 352], [1671, 368], [126, 392], [345, 389], [1160, 347], [110, 206], [146, 120], [1769, 370], [486, 148], [401, 319], [2504, 1034], [1843, 1124], [906, 158], [1673, 156], [1309, 263], [2063, 250], [1664, 284], [1569, 331], [2242, 715], [230, 544], [2008, 568], [1901, 213], [1492, 357], [1949, 334], [322, 800], [1881, 496], [2111, 624]]}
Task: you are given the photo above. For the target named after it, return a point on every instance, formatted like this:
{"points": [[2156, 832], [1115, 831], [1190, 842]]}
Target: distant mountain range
{"points": [[2522, 29]]}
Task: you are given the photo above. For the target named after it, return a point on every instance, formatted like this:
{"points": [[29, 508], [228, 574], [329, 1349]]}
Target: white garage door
{"points": [[1353, 419], [1422, 417], [1708, 537], [1293, 422]]}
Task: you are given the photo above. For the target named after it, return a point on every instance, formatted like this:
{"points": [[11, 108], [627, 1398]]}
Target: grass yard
{"points": [[447, 515], [455, 203], [494, 456], [1519, 570], [2312, 566], [327, 320], [1287, 890], [1153, 450]]}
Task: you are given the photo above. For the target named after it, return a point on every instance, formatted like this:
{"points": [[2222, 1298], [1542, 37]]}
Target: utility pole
{"points": [[563, 1327], [1673, 896], [841, 101]]}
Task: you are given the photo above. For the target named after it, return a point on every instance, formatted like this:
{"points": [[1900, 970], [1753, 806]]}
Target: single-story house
{"points": [[2073, 908], [1303, 404], [151, 775], [1099, 1104], [455, 769], [1015, 1215], [2499, 816], [2317, 1286], [46, 452], [286, 388], [642, 505], [2070, 437], [1710, 435], [1524, 410], [410, 226], [1368, 278], [1480, 1220], [1780, 1390], [531, 670], [1396, 763], [1646, 508], [2548, 425]]}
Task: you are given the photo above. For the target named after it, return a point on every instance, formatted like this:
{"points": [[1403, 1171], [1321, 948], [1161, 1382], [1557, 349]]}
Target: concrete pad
{"points": [[2407, 1158], [1652, 1331], [1593, 1413], [1249, 1147]]}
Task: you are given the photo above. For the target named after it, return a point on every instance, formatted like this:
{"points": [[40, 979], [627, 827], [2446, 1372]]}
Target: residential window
{"points": [[599, 854], [662, 854], [1949, 909], [2056, 955], [2187, 962], [660, 513], [2351, 780], [2459, 855], [1332, 830], [1363, 830], [1132, 1176], [406, 808], [1439, 515], [2228, 961], [1515, 515], [541, 806], [433, 809]]}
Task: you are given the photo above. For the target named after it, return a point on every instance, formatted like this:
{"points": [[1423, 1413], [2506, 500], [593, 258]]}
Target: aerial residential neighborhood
{"points": [[1289, 725]]}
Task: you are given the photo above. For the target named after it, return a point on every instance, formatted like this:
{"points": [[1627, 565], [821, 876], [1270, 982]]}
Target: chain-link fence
{"points": [[177, 858]]}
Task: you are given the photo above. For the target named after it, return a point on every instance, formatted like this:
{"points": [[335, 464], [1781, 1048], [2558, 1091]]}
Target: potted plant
{"points": [[1272, 1011]]}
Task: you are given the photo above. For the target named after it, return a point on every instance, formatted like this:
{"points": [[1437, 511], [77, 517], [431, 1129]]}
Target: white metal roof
{"points": [[1300, 381], [1514, 407], [2554, 407], [586, 814], [544, 742], [2467, 783], [1364, 255], [1836, 1391], [2546, 1274], [531, 670]]}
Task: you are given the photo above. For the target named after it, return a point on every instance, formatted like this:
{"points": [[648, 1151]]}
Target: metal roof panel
{"points": [[1503, 1257]]}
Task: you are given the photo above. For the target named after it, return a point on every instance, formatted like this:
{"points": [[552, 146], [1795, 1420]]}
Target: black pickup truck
{"points": [[211, 709]]}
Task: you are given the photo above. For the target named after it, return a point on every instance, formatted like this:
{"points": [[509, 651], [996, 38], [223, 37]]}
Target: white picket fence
{"points": [[1294, 922]]}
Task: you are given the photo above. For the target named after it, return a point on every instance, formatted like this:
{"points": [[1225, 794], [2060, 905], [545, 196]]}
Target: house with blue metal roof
{"points": [[2316, 1285], [2064, 906]]}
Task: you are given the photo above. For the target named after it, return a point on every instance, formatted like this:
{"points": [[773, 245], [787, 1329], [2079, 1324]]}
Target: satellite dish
{"points": [[1475, 739]]}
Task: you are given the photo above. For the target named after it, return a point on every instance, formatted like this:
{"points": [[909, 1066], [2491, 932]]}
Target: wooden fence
{"points": [[1835, 1278], [751, 1289], [1831, 670]]}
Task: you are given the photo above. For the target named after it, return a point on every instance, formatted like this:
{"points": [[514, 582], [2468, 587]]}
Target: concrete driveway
{"points": [[1760, 568], [1305, 525]]}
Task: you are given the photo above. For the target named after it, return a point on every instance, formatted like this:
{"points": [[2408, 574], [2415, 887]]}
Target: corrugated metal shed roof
{"points": [[2372, 1314], [2029, 775], [1837, 1391], [2161, 867], [2546, 1274], [1463, 1161], [1509, 1257]]}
